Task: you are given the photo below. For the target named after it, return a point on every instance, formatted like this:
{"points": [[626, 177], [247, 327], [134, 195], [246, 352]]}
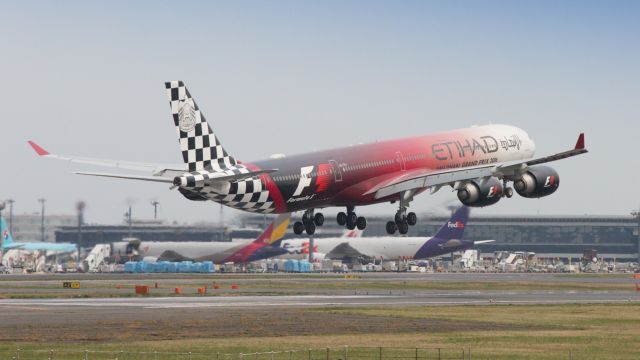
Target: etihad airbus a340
{"points": [[478, 163]]}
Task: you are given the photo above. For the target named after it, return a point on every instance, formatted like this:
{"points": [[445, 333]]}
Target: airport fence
{"points": [[335, 353]]}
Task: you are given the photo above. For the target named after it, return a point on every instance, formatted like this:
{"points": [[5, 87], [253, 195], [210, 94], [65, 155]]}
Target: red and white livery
{"points": [[479, 163]]}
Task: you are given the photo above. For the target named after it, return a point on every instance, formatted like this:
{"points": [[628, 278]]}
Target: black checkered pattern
{"points": [[248, 194], [200, 147], [207, 159]]}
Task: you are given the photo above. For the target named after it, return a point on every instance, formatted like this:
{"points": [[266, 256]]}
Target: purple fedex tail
{"points": [[449, 237]]}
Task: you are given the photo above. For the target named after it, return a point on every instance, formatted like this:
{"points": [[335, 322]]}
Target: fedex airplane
{"points": [[447, 240], [478, 163], [9, 244]]}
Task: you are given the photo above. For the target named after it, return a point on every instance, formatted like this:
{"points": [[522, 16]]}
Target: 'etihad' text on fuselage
{"points": [[468, 147]]}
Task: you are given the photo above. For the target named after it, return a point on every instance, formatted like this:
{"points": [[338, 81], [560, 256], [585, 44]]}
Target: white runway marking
{"points": [[257, 302]]}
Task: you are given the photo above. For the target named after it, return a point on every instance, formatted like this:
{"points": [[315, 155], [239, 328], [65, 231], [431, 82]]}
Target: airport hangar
{"points": [[613, 237]]}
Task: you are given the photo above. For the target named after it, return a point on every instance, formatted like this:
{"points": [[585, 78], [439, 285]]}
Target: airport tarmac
{"points": [[365, 299], [39, 309], [386, 276], [155, 318]]}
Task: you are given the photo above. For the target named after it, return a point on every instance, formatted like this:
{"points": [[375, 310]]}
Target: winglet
{"points": [[38, 149], [580, 142]]}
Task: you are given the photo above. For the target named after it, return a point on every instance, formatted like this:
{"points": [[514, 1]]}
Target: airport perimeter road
{"points": [[416, 298]]}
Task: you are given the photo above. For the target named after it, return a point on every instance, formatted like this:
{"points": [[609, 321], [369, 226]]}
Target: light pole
{"points": [[221, 222], [130, 222], [42, 201], [11, 201], [636, 214], [80, 206], [155, 204]]}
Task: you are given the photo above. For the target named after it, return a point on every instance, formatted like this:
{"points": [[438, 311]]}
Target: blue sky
{"points": [[293, 76]]}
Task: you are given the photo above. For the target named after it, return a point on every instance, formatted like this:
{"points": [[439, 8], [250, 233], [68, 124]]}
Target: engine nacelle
{"points": [[478, 193], [537, 182]]}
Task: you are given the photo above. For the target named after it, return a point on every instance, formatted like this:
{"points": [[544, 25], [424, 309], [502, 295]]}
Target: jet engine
{"points": [[478, 193], [537, 182]]}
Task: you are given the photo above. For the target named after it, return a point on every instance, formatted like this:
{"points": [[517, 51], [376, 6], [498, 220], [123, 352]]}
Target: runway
{"points": [[389, 299]]}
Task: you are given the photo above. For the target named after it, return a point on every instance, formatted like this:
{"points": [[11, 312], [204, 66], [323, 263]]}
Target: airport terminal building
{"points": [[551, 236], [547, 236]]}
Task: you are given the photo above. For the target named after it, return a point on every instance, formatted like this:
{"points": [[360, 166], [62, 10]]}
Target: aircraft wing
{"points": [[153, 169], [449, 177]]}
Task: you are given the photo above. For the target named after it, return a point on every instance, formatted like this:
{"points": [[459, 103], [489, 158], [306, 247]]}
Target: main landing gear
{"points": [[351, 220], [308, 223], [403, 220]]}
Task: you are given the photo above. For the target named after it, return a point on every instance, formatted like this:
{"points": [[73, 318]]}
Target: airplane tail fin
{"points": [[275, 231], [454, 228], [6, 235], [448, 238], [199, 145], [261, 247]]}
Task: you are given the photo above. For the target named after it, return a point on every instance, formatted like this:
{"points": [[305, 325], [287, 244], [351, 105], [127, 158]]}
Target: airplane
{"points": [[9, 244], [478, 163], [218, 252], [447, 240]]}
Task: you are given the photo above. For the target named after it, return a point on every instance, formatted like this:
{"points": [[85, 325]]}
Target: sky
{"points": [[86, 78]]}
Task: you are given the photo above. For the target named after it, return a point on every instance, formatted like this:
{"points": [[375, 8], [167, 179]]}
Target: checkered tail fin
{"points": [[200, 147]]}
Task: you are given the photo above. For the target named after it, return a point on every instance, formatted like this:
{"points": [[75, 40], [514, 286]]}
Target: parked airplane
{"points": [[447, 240], [216, 251], [477, 162], [9, 244]]}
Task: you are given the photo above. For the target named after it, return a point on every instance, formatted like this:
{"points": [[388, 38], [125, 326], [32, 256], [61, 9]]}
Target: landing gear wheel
{"points": [[361, 223], [342, 218], [352, 218], [298, 227], [318, 219], [398, 218], [391, 228], [310, 227], [403, 227], [351, 221], [412, 218]]}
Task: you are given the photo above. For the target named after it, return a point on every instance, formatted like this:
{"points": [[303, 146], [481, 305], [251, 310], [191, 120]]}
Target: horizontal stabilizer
{"points": [[128, 165], [201, 179], [130, 177], [483, 242]]}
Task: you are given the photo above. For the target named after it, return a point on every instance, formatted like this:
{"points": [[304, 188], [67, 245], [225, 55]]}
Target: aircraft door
{"points": [[337, 172], [400, 161]]}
